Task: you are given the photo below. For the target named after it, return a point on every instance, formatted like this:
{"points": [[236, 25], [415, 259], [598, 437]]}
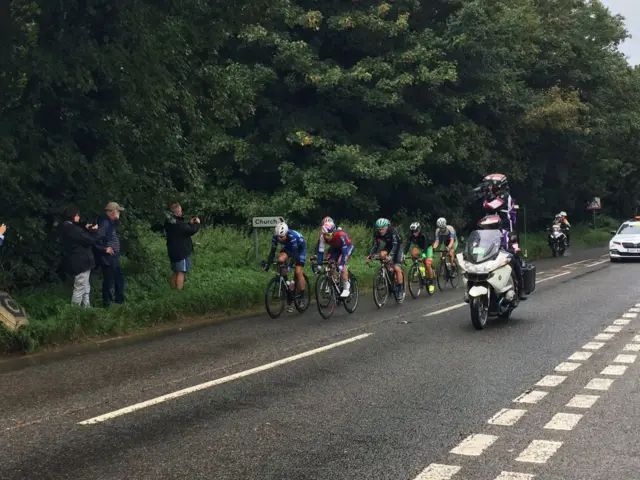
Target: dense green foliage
{"points": [[299, 108]]}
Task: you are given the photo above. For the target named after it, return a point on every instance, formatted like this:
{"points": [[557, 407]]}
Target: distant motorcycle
{"points": [[557, 240]]}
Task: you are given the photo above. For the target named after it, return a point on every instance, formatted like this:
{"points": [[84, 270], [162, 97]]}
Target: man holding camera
{"points": [[180, 244]]}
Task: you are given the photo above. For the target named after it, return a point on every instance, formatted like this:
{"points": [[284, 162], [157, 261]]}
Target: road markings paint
{"points": [[593, 346], [636, 338], [636, 310], [603, 336], [448, 309], [551, 381], [629, 315], [622, 321], [514, 476], [534, 396], [563, 421], [582, 401], [614, 370], [555, 276], [599, 384], [578, 263], [567, 367], [580, 356], [632, 347], [438, 471], [613, 329], [539, 451], [622, 358], [597, 263], [506, 417], [219, 381], [474, 445]]}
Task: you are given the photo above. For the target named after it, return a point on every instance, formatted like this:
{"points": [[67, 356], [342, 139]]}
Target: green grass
{"points": [[226, 279]]}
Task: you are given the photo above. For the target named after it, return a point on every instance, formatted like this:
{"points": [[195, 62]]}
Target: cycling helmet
{"points": [[563, 214], [326, 220], [415, 227], [281, 229], [442, 222], [382, 223], [328, 228]]}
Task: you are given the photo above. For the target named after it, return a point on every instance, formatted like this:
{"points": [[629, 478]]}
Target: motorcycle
{"points": [[557, 240]]}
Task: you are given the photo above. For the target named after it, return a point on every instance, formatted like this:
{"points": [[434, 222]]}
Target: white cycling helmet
{"points": [[442, 222], [563, 214], [281, 229], [414, 227]]}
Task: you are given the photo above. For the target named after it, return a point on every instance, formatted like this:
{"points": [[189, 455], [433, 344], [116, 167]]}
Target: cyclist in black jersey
{"points": [[424, 250], [389, 241]]}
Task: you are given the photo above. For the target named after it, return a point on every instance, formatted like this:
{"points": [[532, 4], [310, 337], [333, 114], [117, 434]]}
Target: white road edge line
{"points": [[597, 263], [219, 381], [551, 278]]}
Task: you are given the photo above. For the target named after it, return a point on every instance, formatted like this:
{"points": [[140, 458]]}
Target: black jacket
{"points": [[179, 233], [77, 244]]}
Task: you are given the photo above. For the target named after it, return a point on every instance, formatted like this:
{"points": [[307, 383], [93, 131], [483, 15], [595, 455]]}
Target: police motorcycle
{"points": [[557, 240]]}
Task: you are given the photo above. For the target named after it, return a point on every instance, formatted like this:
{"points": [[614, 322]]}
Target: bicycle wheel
{"points": [[325, 297], [351, 302], [441, 278], [415, 281], [277, 294], [455, 279], [380, 289], [302, 302]]}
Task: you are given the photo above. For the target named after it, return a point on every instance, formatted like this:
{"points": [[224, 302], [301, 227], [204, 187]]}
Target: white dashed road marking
{"points": [[437, 471], [630, 315], [632, 347], [622, 321], [599, 384], [539, 451], [533, 396], [582, 401], [580, 356], [567, 367], [593, 346], [474, 445], [613, 329], [622, 358], [563, 421], [636, 338], [514, 476], [614, 370], [551, 381], [507, 417], [603, 336]]}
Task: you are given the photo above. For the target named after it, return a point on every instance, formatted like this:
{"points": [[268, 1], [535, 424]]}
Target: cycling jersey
{"points": [[293, 245], [421, 241], [339, 245], [447, 231], [391, 241]]}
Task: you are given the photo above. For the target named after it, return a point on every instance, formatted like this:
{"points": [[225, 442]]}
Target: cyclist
{"points": [[423, 248], [340, 249], [448, 232], [391, 242], [329, 220], [294, 249], [565, 226]]}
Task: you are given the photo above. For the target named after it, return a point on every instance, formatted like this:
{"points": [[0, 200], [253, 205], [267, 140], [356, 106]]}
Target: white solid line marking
{"points": [[622, 358], [563, 421], [622, 321], [599, 384], [597, 263], [613, 329], [567, 367], [603, 336], [474, 445], [539, 451], [437, 471], [219, 381], [629, 315], [534, 396], [632, 347], [582, 401], [514, 476], [614, 370], [593, 346], [578, 263], [580, 356], [551, 381], [448, 309], [506, 417], [551, 278]]}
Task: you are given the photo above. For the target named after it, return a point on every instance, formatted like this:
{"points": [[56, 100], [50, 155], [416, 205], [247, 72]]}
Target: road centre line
{"points": [[597, 263], [219, 381]]}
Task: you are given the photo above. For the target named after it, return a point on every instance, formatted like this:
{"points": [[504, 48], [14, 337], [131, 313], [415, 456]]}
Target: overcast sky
{"points": [[630, 10]]}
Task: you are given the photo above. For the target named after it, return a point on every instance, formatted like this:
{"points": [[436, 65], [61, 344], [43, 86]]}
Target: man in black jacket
{"points": [[78, 241], [179, 244]]}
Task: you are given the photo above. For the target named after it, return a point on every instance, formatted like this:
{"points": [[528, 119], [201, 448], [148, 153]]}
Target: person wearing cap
{"points": [[179, 244], [108, 247], [3, 229], [77, 242]]}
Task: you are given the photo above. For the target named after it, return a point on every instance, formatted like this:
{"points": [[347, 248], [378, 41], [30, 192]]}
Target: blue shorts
{"points": [[334, 253], [183, 266], [303, 255]]}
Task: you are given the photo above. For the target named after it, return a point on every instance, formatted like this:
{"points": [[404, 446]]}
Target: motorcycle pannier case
{"points": [[529, 274]]}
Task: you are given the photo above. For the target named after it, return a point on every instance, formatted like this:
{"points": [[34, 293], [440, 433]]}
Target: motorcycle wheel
{"points": [[479, 313]]}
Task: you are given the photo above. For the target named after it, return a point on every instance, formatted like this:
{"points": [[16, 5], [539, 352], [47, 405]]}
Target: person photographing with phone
{"points": [[179, 244]]}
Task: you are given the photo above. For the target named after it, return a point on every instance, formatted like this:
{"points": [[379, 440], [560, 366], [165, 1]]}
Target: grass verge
{"points": [[226, 279]]}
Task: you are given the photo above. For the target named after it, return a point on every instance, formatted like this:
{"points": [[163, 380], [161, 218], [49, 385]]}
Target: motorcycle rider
{"points": [[565, 226], [498, 200]]}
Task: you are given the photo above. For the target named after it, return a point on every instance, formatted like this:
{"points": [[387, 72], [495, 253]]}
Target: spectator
{"points": [[108, 247], [179, 244], [78, 241], [3, 229]]}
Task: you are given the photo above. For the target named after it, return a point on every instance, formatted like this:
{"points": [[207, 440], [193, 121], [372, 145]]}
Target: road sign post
{"points": [[263, 222], [594, 205]]}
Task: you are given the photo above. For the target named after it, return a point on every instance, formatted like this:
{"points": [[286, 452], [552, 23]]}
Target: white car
{"points": [[626, 241]]}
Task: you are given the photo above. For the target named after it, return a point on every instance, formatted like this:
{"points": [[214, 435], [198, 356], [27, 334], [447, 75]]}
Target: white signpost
{"points": [[263, 222]]}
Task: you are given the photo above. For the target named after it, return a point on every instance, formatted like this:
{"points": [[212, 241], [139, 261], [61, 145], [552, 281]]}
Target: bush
{"points": [[226, 278]]}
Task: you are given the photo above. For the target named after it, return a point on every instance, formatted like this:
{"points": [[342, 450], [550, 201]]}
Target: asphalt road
{"points": [[380, 394]]}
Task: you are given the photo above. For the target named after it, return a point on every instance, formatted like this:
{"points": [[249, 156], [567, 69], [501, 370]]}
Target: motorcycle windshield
{"points": [[483, 245]]}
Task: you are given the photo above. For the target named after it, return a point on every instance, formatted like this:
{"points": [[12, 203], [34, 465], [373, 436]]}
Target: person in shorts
{"points": [[179, 244]]}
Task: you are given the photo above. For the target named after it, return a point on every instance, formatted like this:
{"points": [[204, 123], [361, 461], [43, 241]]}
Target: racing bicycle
{"points": [[280, 290], [329, 288]]}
